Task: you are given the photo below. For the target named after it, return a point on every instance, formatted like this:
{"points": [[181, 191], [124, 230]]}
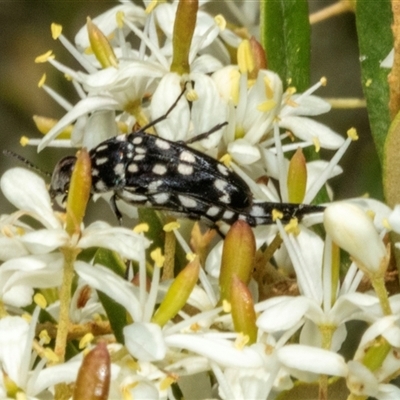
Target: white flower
{"points": [[42, 266], [16, 337], [177, 125]]}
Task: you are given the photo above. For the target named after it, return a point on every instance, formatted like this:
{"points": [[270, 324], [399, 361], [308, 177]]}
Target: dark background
{"points": [[25, 34]]}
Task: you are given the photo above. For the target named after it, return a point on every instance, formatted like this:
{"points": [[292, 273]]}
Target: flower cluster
{"points": [[181, 313]]}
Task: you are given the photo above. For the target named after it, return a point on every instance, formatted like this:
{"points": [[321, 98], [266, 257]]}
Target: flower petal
{"points": [[145, 341], [311, 359], [11, 247], [176, 126], [122, 240], [27, 191], [219, 350], [308, 130], [121, 291], [44, 240], [243, 152], [306, 105], [13, 336], [83, 107], [282, 313]]}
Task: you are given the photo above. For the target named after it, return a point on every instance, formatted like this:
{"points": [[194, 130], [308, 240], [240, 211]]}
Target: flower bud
{"points": [[93, 381], [178, 293], [352, 230], [243, 314], [100, 45], [237, 257], [297, 177], [79, 192]]}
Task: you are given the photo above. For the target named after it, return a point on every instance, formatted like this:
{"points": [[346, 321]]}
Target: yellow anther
{"points": [[220, 21], [226, 159], [45, 57], [42, 81], [140, 228], [276, 214], [323, 81], [157, 257], [24, 141], [44, 337], [226, 306], [352, 134], [293, 227], [190, 257], [87, 339], [120, 19], [171, 226], [56, 30], [40, 300], [245, 57], [50, 355]]}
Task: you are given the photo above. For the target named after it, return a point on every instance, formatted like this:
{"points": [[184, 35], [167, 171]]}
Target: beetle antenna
{"points": [[10, 153]]}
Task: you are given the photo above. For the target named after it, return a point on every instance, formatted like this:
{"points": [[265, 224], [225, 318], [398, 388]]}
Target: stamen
{"points": [[56, 31], [326, 173]]}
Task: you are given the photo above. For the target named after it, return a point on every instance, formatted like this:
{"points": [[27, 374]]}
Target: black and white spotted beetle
{"points": [[145, 170]]}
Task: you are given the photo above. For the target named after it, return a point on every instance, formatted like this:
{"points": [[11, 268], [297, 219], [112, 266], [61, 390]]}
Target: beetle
{"points": [[146, 170]]}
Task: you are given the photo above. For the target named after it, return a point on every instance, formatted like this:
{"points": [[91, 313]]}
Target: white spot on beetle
{"points": [[223, 169], [137, 140], [140, 150], [213, 211], [101, 186], [101, 148], [161, 198], [132, 167], [225, 198], [133, 196], [159, 169], [187, 201], [119, 169], [187, 156], [220, 184], [153, 186], [185, 169], [101, 161], [228, 214], [161, 144], [257, 211], [139, 157]]}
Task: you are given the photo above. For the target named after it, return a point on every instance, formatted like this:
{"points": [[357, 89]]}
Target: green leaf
{"points": [[391, 164], [375, 39], [116, 313], [285, 35]]}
